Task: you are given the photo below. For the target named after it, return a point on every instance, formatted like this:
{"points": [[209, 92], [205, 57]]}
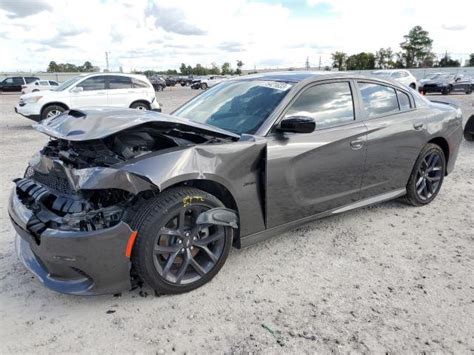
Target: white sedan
{"points": [[39, 85]]}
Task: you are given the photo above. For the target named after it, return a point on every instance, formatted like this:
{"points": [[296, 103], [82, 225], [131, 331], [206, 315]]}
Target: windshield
{"points": [[236, 106], [383, 74], [67, 83]]}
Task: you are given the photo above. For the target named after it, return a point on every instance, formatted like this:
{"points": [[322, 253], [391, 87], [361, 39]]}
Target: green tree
{"points": [[361, 61], [416, 47], [240, 64], [470, 63], [183, 70], [226, 69], [199, 70], [339, 60], [446, 61], [214, 69], [384, 58], [87, 67], [53, 67]]}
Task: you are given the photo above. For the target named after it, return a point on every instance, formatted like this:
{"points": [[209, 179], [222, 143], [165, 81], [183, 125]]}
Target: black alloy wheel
{"points": [[172, 253], [427, 176]]}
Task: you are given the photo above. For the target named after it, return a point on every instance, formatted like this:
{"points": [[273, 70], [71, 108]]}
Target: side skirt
{"points": [[268, 233]]}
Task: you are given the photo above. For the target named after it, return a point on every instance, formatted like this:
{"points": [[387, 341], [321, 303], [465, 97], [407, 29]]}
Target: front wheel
{"points": [[172, 253], [427, 176], [52, 111], [203, 86]]}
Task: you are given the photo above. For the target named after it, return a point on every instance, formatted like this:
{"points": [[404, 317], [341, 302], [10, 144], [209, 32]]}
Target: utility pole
{"points": [[307, 63], [107, 60], [319, 67]]}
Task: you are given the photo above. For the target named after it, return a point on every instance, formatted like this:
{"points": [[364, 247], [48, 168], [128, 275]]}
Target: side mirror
{"points": [[297, 124], [77, 89]]}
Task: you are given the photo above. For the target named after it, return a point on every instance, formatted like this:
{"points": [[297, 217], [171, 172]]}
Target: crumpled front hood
{"points": [[97, 123]]}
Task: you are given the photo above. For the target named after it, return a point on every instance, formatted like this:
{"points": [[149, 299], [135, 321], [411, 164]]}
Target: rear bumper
{"points": [[79, 263]]}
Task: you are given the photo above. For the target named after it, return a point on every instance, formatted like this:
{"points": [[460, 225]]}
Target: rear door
{"points": [[315, 172], [94, 92], [396, 134], [120, 92]]}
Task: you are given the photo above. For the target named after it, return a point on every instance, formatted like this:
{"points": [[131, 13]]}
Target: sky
{"points": [[159, 35]]}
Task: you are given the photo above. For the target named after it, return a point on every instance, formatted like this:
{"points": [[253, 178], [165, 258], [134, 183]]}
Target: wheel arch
{"points": [[148, 103], [444, 145], [217, 189], [57, 103]]}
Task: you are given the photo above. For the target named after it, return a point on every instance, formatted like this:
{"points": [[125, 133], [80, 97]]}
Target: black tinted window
{"points": [[119, 82], [139, 83], [53, 83], [378, 100], [30, 79], [404, 101], [18, 81], [328, 104], [94, 83]]}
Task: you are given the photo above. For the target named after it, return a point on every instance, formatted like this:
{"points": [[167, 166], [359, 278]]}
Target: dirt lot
{"points": [[389, 278]]}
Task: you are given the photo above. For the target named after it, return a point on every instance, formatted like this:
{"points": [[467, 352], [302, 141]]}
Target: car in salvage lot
{"points": [[39, 85], [445, 83], [402, 76], [119, 197], [85, 90]]}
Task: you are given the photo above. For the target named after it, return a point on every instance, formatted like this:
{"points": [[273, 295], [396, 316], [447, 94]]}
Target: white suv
{"points": [[401, 75], [86, 90]]}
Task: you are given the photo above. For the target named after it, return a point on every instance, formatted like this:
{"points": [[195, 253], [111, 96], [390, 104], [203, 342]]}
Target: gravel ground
{"points": [[388, 278]]}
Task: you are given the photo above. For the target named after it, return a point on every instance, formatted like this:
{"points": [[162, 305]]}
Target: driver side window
{"points": [[328, 104], [94, 83]]}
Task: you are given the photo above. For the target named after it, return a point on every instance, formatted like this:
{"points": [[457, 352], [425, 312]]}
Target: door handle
{"points": [[418, 126], [357, 144]]}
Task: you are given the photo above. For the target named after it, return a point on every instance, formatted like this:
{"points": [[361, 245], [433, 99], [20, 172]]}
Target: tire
{"points": [[52, 111], [183, 83], [140, 105], [35, 90], [165, 213], [413, 86], [203, 86], [468, 92], [427, 175]]}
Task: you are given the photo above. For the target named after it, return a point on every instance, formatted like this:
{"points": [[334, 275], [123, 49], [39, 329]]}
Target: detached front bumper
{"points": [[80, 263]]}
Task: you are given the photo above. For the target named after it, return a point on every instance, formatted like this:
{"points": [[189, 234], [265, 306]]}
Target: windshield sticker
{"points": [[275, 85]]}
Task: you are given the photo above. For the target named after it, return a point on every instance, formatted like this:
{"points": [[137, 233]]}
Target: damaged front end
{"points": [[72, 208]]}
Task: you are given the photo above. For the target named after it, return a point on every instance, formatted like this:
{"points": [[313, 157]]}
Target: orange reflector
{"points": [[131, 240]]}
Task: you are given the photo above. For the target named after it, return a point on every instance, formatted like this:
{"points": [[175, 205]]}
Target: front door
{"points": [[94, 93], [315, 172]]}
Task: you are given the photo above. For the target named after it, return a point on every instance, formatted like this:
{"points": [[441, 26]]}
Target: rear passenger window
{"points": [[53, 83], [404, 101], [30, 79], [119, 82], [139, 83], [328, 104], [378, 100]]}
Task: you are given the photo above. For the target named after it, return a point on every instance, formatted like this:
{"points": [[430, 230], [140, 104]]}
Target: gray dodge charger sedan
{"points": [[118, 198]]}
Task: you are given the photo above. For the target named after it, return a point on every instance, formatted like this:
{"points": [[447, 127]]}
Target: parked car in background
{"points": [[119, 197], [15, 83], [171, 80], [158, 82], [469, 129], [211, 81], [446, 83], [186, 81], [85, 90], [39, 85], [401, 75]]}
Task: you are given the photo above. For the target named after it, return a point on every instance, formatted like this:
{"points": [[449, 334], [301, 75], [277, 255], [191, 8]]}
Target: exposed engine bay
{"points": [[51, 193]]}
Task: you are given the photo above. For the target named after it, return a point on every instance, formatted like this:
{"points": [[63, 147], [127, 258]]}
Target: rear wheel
{"points": [[427, 176], [140, 106], [52, 111], [203, 86], [413, 86], [172, 253]]}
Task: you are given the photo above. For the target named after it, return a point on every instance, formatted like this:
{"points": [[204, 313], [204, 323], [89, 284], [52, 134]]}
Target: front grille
{"points": [[56, 180], [430, 86]]}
